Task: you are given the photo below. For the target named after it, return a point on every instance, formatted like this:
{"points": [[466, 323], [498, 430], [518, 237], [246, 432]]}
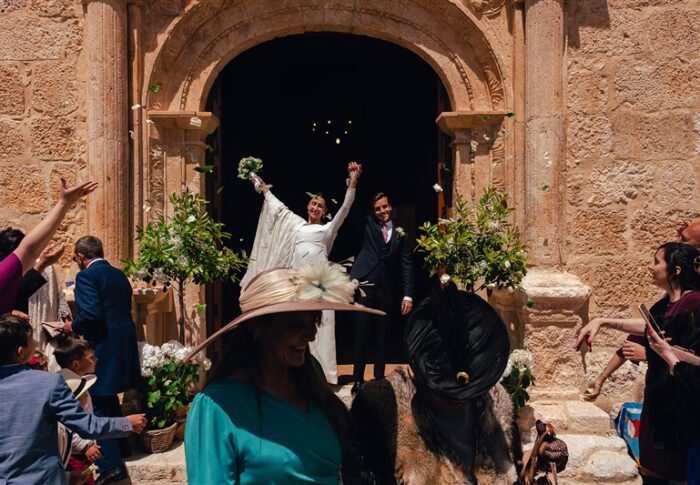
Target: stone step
{"points": [[570, 417], [596, 459], [158, 468]]}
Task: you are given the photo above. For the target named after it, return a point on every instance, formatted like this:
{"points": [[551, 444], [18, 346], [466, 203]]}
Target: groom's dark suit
{"points": [[379, 263]]}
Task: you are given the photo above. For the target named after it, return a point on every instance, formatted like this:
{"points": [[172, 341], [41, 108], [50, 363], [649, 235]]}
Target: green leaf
{"points": [[204, 168], [219, 190], [530, 303], [154, 88], [210, 149], [202, 308]]}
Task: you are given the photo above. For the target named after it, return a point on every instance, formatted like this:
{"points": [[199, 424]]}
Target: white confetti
{"points": [[196, 121], [136, 106]]}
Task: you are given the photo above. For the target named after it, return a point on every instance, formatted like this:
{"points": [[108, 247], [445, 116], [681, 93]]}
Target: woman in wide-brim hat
{"points": [[269, 416]]}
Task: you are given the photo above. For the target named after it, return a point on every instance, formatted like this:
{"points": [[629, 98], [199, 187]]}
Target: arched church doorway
{"points": [[307, 104]]}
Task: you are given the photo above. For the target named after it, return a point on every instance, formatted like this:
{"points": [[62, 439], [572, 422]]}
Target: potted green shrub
{"points": [[185, 247]]}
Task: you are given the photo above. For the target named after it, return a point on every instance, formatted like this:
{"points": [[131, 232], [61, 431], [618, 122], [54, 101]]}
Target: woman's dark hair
{"points": [[14, 332], [90, 247], [245, 353], [69, 349], [9, 241], [685, 257]]}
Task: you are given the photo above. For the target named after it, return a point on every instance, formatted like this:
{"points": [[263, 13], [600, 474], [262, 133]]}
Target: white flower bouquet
{"points": [[518, 377], [248, 166], [170, 380]]}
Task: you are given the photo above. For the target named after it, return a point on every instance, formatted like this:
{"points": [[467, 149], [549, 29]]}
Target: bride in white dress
{"points": [[283, 239]]}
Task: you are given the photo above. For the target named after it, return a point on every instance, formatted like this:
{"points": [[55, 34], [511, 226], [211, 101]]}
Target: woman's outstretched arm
{"points": [[38, 238]]}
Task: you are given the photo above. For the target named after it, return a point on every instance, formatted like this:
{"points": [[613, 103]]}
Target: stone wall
{"points": [[632, 164], [42, 129]]}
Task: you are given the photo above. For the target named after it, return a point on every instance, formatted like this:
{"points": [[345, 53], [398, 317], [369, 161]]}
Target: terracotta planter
{"points": [[158, 440]]}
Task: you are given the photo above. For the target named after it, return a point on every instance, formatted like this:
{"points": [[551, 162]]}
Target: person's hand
{"points": [[354, 172], [634, 351], [588, 333], [20, 314], [593, 390], [406, 307], [138, 422], [682, 226], [661, 346], [71, 195], [93, 453], [68, 325], [49, 256]]}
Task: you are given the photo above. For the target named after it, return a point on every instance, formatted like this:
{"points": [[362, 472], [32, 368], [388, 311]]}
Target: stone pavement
{"points": [[596, 454]]}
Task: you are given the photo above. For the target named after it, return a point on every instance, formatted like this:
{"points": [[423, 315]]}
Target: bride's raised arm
{"points": [[354, 172]]}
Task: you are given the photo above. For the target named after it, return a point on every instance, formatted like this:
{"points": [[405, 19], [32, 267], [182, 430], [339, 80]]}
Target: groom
{"points": [[385, 254]]}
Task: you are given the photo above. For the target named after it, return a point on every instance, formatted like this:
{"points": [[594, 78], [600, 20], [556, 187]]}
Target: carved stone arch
{"points": [[442, 33]]}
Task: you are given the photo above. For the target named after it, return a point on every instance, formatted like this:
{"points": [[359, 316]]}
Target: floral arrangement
{"points": [[249, 165], [188, 246], [478, 247], [170, 380], [518, 377], [326, 282]]}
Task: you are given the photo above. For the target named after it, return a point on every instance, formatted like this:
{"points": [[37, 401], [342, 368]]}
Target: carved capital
{"points": [[453, 121], [490, 8], [201, 121]]}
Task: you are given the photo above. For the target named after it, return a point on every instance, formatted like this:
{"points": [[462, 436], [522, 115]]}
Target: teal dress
{"points": [[238, 435]]}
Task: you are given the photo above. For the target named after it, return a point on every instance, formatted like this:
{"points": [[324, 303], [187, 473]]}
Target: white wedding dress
{"points": [[283, 239]]}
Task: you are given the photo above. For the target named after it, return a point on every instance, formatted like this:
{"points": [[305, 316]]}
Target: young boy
{"points": [[32, 403], [77, 360]]}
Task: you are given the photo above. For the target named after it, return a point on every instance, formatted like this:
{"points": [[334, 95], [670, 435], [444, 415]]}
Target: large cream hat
{"points": [[79, 385], [320, 286]]}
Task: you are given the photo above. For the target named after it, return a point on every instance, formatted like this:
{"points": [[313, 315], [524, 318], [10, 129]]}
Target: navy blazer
{"points": [[103, 297], [32, 403], [378, 261]]}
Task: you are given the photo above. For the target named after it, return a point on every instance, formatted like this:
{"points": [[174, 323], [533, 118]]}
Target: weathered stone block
{"points": [[24, 188], [12, 143], [586, 418], [56, 8], [620, 182], [644, 3], [667, 136], [588, 86], [598, 232], [674, 31], [621, 282], [11, 90], [581, 446], [589, 137], [54, 88], [62, 170], [652, 227], [574, 189], [53, 138], [649, 85], [625, 127], [27, 39], [676, 185], [614, 36], [7, 6], [609, 466]]}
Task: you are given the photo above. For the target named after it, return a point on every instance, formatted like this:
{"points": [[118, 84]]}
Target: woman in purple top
{"points": [[666, 417], [22, 259]]}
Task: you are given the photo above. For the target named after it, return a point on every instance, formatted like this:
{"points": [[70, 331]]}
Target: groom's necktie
{"points": [[385, 232]]}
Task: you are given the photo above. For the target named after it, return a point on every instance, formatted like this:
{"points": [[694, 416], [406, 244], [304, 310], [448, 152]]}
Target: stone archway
{"points": [[444, 34]]}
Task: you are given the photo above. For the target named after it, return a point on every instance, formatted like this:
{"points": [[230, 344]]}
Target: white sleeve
{"points": [[332, 228]]}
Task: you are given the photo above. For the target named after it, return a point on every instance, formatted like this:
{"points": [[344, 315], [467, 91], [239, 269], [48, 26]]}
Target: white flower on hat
{"points": [[325, 282]]}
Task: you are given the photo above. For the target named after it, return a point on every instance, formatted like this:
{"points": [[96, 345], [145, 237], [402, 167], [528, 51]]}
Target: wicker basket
{"points": [[158, 440]]}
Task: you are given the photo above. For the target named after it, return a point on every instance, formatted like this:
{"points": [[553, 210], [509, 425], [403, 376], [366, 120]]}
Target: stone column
{"points": [[544, 129], [107, 107], [473, 134]]}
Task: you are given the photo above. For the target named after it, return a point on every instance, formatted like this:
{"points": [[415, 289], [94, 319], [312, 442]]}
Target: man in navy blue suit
{"points": [[384, 256], [103, 297]]}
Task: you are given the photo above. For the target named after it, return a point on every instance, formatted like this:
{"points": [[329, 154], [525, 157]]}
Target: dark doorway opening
{"points": [[307, 105]]}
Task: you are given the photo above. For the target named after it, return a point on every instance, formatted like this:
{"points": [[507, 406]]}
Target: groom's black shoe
{"points": [[356, 387]]}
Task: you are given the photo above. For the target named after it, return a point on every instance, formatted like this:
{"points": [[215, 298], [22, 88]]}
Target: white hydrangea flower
{"points": [[444, 279], [437, 188], [521, 358]]}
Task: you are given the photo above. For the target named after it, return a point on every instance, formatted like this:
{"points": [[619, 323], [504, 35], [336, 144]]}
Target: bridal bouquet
{"points": [[248, 166], [170, 380]]}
